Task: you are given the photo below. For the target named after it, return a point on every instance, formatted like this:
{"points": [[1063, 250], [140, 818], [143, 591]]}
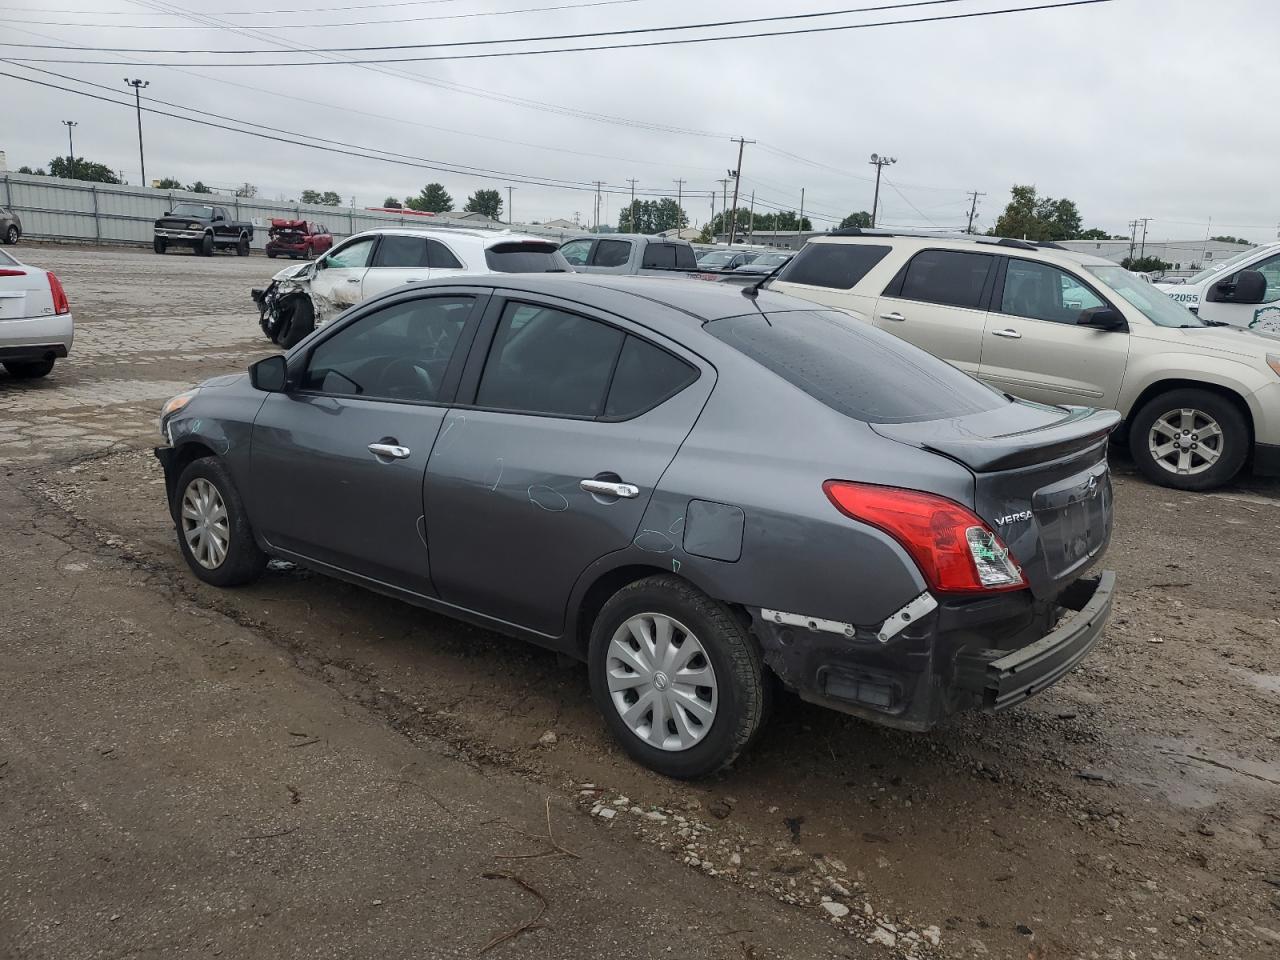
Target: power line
{"points": [[1064, 4], [247, 13]]}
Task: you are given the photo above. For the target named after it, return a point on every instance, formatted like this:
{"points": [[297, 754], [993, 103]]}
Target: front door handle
{"points": [[353, 279], [391, 450], [892, 316], [1007, 333], [604, 488]]}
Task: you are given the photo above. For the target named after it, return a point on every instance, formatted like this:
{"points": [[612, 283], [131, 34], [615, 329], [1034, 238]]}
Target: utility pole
{"points": [[879, 162], [510, 206], [800, 225], [71, 147], [599, 184], [631, 211], [751, 226], [737, 180], [1142, 250], [711, 222], [679, 204], [1133, 236], [724, 201], [973, 208], [138, 87]]}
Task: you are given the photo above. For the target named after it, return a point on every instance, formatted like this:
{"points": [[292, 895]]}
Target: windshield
{"points": [[1154, 304], [193, 210], [1208, 272], [716, 258], [770, 259], [525, 257]]}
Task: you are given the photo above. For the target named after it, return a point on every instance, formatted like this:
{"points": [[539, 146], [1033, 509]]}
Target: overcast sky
{"points": [[1133, 108]]}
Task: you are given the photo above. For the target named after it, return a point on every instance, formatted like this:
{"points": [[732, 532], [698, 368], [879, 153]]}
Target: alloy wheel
{"points": [[204, 523], [661, 682], [1186, 442]]}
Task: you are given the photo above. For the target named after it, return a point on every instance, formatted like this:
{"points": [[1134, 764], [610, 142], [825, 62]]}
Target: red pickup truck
{"points": [[297, 238]]}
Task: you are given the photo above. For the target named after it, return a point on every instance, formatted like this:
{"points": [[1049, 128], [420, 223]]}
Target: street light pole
{"points": [[511, 218], [71, 147], [879, 163], [631, 211], [138, 87]]}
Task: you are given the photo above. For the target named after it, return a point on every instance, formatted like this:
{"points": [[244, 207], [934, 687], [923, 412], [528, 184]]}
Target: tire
{"points": [[12, 234], [28, 369], [205, 247], [742, 689], [240, 561], [300, 323], [1195, 411], [159, 244], [242, 246], [271, 254]]}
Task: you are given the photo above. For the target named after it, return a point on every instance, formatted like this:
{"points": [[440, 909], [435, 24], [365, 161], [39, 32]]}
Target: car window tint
{"points": [[659, 256], [947, 277], [576, 251], [836, 265], [1043, 292], [611, 253], [354, 254], [854, 368], [438, 255], [400, 352], [1270, 270], [525, 256], [398, 251], [548, 361], [646, 376]]}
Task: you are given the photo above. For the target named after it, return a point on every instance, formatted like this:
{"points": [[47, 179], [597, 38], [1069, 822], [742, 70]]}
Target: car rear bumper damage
{"points": [[989, 654]]}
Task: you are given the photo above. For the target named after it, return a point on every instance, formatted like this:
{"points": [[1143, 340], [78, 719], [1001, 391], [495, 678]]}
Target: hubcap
{"points": [[1186, 442], [204, 523], [661, 682]]}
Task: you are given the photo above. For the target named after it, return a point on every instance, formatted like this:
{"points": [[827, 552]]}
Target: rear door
{"points": [[339, 277], [938, 302], [563, 399], [1033, 347], [399, 260], [444, 262]]}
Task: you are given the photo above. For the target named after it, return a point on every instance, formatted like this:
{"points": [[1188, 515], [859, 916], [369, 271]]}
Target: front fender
{"points": [[1241, 377]]}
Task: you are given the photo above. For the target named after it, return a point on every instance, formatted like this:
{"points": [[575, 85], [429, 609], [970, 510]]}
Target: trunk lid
{"points": [[1041, 481]]}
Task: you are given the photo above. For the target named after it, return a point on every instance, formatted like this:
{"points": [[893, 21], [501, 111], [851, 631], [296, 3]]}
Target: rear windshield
{"points": [[854, 368], [526, 257]]}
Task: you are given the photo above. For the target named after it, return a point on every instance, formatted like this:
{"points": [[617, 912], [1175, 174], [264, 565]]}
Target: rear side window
{"points": [[646, 376], [685, 259], [525, 257], [659, 256], [398, 251], [948, 277], [611, 253], [855, 369], [576, 251], [836, 265], [438, 255]]}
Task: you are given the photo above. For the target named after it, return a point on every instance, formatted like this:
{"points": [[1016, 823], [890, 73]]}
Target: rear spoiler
{"points": [[1082, 429]]}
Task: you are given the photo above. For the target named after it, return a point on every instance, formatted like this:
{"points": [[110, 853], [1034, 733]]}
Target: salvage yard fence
{"points": [[52, 208]]}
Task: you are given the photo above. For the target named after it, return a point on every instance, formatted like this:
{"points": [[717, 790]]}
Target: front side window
{"points": [[1270, 269], [401, 251], [548, 361], [576, 252], [400, 352], [352, 255], [947, 277], [839, 266], [1043, 292], [612, 253]]}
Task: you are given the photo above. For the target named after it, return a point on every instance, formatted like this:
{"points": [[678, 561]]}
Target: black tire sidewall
{"points": [[684, 604], [159, 245], [244, 561], [206, 245], [301, 322], [1235, 430], [242, 247], [29, 369], [12, 234]]}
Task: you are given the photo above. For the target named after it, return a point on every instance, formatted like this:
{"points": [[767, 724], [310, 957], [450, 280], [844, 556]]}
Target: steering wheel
{"points": [[405, 374]]}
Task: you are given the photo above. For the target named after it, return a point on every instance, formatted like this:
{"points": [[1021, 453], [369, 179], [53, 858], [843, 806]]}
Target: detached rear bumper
{"points": [[1006, 678]]}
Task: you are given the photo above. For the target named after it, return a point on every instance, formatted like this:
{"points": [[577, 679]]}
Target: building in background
{"points": [[1187, 256]]}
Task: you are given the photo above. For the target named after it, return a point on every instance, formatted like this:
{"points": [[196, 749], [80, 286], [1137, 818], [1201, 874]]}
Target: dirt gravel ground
{"points": [[1133, 811]]}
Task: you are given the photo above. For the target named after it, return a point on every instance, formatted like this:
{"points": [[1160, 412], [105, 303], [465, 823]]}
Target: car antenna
{"points": [[752, 290]]}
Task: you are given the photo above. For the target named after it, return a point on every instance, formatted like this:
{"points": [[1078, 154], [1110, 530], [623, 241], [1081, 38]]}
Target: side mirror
{"points": [[270, 374], [1102, 318], [1250, 286], [168, 213]]}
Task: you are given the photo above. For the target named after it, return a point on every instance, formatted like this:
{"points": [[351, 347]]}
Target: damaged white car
{"points": [[305, 296]]}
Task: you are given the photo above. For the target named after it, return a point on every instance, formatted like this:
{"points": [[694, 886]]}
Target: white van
{"points": [[1243, 291]]}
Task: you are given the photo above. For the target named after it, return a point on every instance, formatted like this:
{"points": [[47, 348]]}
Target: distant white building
{"points": [[1187, 256], [560, 224]]}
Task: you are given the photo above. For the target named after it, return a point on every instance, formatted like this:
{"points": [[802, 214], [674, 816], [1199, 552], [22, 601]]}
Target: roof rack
{"points": [[949, 235]]}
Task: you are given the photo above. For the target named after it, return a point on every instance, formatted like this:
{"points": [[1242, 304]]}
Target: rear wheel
{"points": [[677, 676], [159, 244], [1189, 439], [213, 529], [11, 235], [302, 320], [28, 369], [205, 249], [271, 254], [242, 247]]}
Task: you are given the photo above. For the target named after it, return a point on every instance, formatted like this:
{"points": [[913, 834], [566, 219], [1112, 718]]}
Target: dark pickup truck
{"points": [[203, 228]]}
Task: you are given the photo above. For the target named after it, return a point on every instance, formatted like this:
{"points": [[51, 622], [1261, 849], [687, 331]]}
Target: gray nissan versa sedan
{"points": [[700, 490]]}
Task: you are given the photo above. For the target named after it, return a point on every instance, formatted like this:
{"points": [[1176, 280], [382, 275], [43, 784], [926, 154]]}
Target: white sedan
{"points": [[35, 319]]}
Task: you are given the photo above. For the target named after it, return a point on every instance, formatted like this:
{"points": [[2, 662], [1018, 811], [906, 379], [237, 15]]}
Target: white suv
{"points": [[1042, 323]]}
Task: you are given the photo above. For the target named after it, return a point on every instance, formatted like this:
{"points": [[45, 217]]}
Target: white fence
{"points": [[52, 208]]}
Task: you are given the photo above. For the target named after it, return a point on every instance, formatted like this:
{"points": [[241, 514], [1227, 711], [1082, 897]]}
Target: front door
{"points": [[937, 302], [339, 276], [338, 461], [1216, 304], [1033, 348], [553, 465]]}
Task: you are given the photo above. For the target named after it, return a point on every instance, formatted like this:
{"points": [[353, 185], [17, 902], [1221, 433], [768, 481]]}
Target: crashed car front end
{"points": [[285, 303]]}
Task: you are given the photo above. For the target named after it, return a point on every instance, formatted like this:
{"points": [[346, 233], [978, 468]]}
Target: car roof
{"points": [[487, 238], [1049, 252], [647, 238]]}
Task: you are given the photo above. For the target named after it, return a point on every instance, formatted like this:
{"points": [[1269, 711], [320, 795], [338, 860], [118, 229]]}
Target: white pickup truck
{"points": [[1243, 291]]}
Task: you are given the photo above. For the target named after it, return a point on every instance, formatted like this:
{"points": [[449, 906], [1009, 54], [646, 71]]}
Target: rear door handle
{"points": [[353, 279], [892, 316], [391, 450], [604, 488], [1007, 333]]}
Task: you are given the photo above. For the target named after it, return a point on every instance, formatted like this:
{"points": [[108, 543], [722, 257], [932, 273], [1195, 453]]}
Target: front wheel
{"points": [[677, 676], [205, 248], [29, 369], [301, 321], [214, 534], [271, 254], [242, 247], [11, 235], [1190, 439], [159, 244]]}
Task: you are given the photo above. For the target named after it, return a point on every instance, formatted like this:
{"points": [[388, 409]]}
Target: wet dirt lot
{"points": [[1133, 811]]}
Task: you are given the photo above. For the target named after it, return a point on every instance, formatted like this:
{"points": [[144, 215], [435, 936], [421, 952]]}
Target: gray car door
{"points": [[573, 418], [338, 460]]}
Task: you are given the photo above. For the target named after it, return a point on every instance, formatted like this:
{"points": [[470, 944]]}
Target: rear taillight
{"points": [[12, 273], [60, 303], [954, 549]]}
